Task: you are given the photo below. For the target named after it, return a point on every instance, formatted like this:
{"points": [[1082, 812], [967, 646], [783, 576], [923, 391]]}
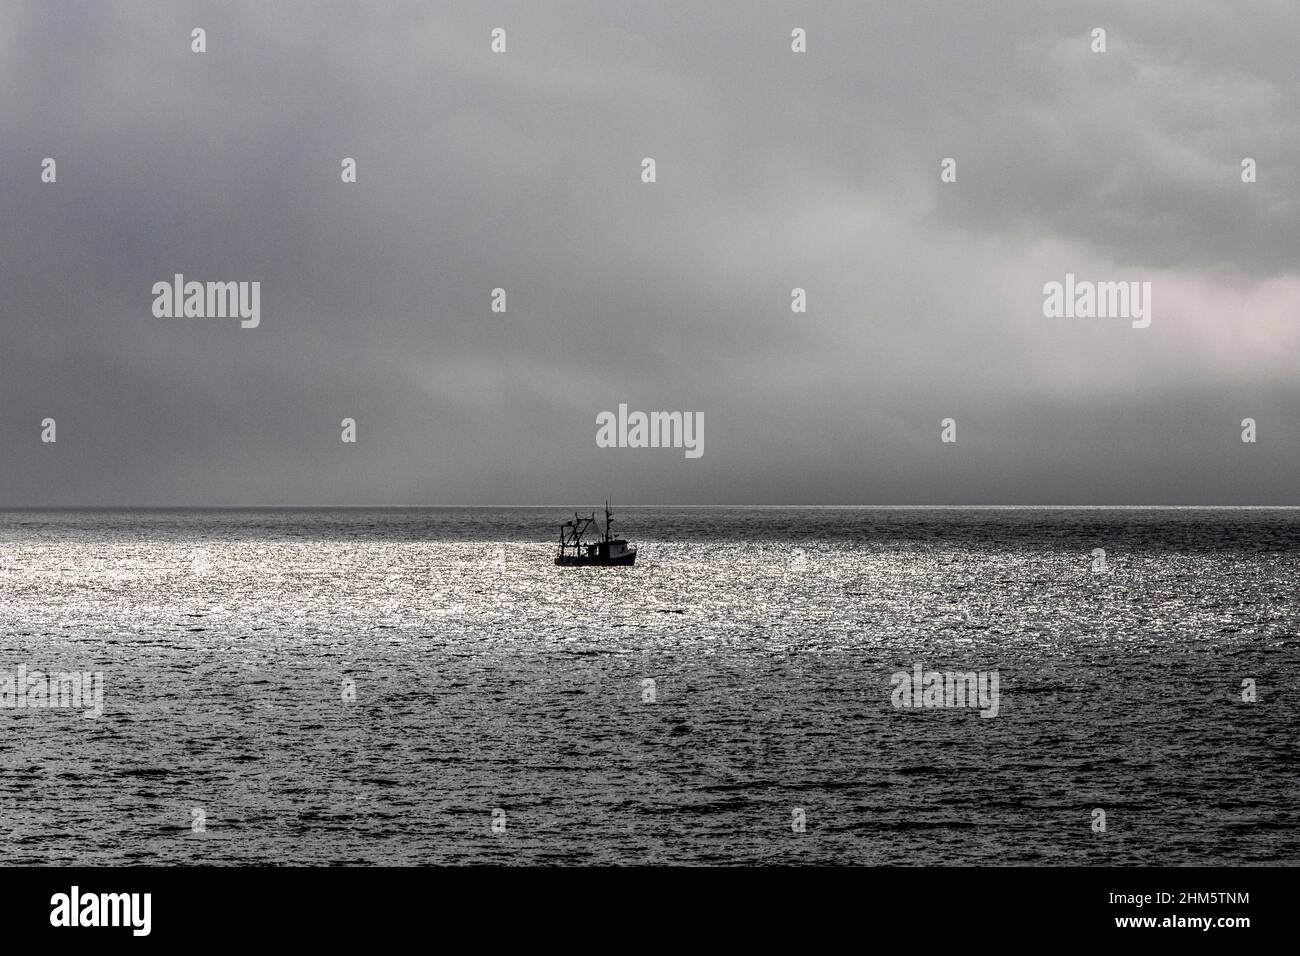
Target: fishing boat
{"points": [[606, 550]]}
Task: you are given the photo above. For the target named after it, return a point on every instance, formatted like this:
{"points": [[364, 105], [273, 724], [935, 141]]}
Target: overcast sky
{"points": [[775, 170]]}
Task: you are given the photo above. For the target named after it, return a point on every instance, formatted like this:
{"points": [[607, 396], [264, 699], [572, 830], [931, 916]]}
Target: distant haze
{"points": [[775, 170]]}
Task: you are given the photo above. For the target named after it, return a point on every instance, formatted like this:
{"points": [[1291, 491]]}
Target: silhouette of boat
{"points": [[605, 551]]}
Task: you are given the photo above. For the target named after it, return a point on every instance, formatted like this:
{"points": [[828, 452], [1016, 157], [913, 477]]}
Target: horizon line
{"points": [[829, 507]]}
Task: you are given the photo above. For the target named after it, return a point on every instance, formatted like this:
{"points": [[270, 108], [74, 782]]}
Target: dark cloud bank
{"points": [[775, 170]]}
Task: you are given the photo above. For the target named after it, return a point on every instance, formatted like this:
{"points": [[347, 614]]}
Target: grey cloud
{"points": [[521, 171]]}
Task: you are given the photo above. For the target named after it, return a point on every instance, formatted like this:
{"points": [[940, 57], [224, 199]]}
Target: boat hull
{"points": [[582, 560]]}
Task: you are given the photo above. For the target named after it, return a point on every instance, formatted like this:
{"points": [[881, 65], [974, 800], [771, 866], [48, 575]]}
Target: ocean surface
{"points": [[503, 713]]}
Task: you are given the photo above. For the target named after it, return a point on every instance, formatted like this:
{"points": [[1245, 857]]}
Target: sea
{"points": [[425, 686]]}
